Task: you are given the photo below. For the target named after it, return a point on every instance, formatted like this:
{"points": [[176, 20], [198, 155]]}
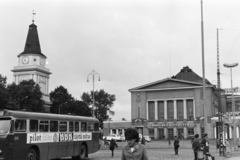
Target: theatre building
{"points": [[174, 106]]}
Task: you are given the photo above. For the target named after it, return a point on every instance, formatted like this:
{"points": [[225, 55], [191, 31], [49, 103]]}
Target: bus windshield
{"points": [[4, 125]]}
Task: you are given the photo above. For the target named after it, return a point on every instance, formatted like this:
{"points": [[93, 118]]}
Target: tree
{"points": [[60, 100], [79, 108], [25, 96], [103, 104], [3, 92]]}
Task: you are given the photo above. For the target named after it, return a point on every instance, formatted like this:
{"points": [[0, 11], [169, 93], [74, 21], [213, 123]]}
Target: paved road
{"points": [[158, 150]]}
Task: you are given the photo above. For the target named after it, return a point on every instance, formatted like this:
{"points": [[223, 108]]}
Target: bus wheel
{"points": [[83, 152], [31, 155]]}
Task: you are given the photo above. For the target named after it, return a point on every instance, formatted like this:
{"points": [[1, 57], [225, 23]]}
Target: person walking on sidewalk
{"points": [[112, 146], [133, 149], [176, 145], [228, 146], [205, 143], [196, 145]]}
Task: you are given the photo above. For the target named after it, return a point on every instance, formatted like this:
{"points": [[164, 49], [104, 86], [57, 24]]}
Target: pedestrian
{"points": [[164, 137], [228, 146], [205, 143], [176, 145], [143, 140], [196, 146], [169, 141], [105, 142], [112, 146], [133, 149]]}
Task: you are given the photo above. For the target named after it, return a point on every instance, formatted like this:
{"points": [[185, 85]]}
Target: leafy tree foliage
{"points": [[60, 100], [64, 102], [26, 95], [103, 104], [3, 92]]}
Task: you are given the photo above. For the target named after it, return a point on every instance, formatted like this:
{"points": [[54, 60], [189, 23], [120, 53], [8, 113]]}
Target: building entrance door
{"points": [[170, 133], [180, 133], [161, 133]]}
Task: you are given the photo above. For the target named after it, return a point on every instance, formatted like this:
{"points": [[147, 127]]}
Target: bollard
{"points": [[200, 155]]}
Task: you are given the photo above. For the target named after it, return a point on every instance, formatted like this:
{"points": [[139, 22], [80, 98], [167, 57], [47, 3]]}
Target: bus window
{"points": [[20, 125], [90, 126], [83, 126], [43, 126], [96, 126], [53, 126], [70, 126], [5, 125], [63, 127], [33, 125], [76, 127]]}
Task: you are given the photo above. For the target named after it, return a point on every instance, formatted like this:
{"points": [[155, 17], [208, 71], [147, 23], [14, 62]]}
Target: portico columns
{"points": [[156, 111], [147, 111], [184, 109], [175, 109], [165, 109]]}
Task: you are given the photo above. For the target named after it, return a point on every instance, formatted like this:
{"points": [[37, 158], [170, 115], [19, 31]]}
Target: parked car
{"points": [[113, 136], [147, 138]]}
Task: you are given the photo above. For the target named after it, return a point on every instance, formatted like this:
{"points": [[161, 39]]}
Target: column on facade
{"points": [[123, 133], [47, 86], [165, 109], [215, 132], [147, 111], [175, 133], [194, 109], [17, 79], [184, 109], [117, 133], [237, 131], [230, 132], [185, 132], [155, 133], [166, 133], [110, 131], [175, 109], [156, 110]]}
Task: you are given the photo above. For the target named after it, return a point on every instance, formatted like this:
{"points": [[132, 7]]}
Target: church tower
{"points": [[32, 65]]}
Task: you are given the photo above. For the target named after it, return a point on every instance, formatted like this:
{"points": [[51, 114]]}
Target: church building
{"points": [[32, 65]]}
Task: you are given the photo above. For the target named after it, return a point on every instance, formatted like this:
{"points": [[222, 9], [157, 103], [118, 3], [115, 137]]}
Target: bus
{"points": [[45, 136]]}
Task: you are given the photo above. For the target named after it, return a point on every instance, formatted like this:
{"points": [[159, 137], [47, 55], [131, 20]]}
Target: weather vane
{"points": [[33, 16]]}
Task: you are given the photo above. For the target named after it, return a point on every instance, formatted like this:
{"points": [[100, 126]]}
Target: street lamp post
{"points": [[233, 103], [93, 73]]}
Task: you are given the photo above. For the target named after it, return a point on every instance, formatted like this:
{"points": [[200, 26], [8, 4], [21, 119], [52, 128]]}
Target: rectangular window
{"points": [[43, 126], [180, 110], [190, 131], [151, 132], [96, 126], [33, 126], [53, 126], [20, 125], [63, 127], [190, 110], [161, 111], [170, 110], [90, 126], [83, 126], [71, 127], [151, 112], [76, 127]]}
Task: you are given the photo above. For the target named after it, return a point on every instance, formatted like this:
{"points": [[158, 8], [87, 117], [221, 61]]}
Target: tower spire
{"points": [[33, 16]]}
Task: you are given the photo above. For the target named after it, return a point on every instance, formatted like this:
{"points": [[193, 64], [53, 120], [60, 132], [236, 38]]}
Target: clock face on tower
{"points": [[25, 60], [42, 62]]}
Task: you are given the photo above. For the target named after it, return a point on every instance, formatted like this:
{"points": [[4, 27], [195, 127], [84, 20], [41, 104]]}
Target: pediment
{"points": [[168, 84]]}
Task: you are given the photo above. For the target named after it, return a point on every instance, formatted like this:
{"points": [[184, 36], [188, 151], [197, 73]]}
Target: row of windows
{"points": [[170, 110], [170, 132], [55, 126]]}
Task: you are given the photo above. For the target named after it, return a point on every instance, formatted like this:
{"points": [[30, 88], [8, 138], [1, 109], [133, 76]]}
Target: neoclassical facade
{"points": [[174, 106]]}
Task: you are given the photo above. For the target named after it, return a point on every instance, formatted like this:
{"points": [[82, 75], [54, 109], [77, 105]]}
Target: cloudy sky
{"points": [[128, 42]]}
